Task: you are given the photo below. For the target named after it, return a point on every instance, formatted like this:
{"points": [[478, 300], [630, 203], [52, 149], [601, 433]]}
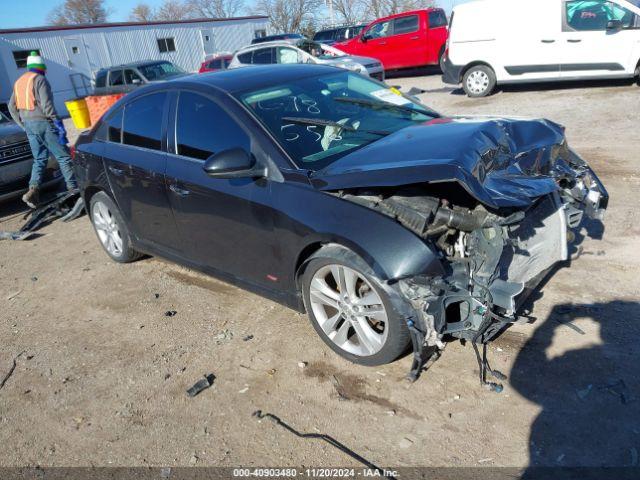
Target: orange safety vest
{"points": [[23, 92]]}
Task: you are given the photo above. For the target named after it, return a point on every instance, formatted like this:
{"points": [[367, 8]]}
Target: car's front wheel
{"points": [[350, 309], [479, 81], [111, 229]]}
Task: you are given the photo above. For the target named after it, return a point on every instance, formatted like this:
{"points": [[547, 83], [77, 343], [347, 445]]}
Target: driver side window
{"points": [[594, 15], [379, 30]]}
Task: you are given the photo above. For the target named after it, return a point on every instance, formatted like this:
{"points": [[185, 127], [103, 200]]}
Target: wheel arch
{"points": [[475, 63]]}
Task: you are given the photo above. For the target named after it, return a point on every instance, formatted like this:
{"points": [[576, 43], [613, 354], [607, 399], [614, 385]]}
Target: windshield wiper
{"points": [[319, 122], [386, 106]]}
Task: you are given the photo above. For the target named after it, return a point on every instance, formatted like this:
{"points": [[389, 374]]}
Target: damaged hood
{"points": [[501, 162]]}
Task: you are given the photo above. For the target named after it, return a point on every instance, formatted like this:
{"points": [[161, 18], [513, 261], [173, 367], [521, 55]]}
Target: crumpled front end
{"points": [[493, 258]]}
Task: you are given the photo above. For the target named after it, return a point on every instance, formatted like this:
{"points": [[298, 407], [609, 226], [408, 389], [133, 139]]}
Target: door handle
{"points": [[179, 191], [417, 37], [118, 172], [548, 41], [574, 40], [382, 43]]}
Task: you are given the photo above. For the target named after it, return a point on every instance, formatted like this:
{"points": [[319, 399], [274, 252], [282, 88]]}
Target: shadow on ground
{"points": [[590, 413]]}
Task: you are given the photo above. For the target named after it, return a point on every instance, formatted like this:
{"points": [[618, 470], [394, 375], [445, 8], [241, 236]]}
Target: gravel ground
{"points": [[103, 375]]}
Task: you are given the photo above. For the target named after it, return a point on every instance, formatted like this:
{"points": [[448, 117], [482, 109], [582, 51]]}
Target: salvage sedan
{"points": [[389, 224]]}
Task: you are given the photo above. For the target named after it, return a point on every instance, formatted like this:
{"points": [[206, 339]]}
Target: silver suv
{"points": [[124, 78], [305, 51]]}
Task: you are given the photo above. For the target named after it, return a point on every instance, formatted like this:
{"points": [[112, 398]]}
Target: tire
{"points": [[343, 325], [111, 229], [479, 81]]}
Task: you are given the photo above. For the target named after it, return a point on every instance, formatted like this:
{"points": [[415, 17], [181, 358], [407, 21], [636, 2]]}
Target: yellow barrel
{"points": [[79, 113]]}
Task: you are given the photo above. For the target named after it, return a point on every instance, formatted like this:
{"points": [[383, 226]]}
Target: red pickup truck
{"points": [[404, 40]]}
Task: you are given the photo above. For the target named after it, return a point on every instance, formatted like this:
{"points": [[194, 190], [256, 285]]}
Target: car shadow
{"points": [[413, 72], [590, 415]]}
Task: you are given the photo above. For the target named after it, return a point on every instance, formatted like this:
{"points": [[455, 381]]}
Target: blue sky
{"points": [[33, 13]]}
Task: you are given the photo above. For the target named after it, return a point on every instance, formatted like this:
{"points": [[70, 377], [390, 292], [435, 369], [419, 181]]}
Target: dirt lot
{"points": [[103, 377]]}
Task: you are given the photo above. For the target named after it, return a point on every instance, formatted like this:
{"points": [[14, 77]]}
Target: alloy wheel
{"points": [[107, 228], [349, 310], [478, 81]]}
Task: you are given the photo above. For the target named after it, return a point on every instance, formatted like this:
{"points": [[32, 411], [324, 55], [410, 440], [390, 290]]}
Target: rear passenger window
{"points": [[263, 56], [405, 25], [101, 79], [114, 128], [116, 78], [203, 128], [245, 58], [143, 121], [437, 18]]}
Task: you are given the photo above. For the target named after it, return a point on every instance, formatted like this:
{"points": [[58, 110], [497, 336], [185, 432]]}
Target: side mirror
{"points": [[136, 81], [615, 25], [233, 163]]}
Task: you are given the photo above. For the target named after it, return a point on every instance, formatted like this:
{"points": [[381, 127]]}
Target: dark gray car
{"points": [[124, 78], [16, 161]]}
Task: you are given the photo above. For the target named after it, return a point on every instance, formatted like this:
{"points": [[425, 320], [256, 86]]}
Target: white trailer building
{"points": [[74, 53]]}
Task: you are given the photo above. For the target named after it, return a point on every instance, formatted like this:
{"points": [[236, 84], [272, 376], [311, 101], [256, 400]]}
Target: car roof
{"points": [[404, 14], [249, 78], [272, 43]]}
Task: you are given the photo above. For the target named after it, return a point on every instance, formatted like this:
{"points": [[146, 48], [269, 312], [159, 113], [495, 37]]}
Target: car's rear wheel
{"points": [[111, 229], [350, 309], [441, 59], [479, 81]]}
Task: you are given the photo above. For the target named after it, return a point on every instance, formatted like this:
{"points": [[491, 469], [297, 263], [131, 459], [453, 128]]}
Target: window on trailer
{"points": [[20, 56], [166, 45]]}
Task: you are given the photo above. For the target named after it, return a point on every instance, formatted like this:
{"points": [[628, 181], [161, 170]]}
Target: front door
{"points": [[375, 43], [592, 49], [208, 42], [225, 224], [135, 165]]}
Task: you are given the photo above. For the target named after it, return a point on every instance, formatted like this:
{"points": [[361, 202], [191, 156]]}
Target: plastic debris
{"points": [[247, 338], [170, 313], [201, 385]]}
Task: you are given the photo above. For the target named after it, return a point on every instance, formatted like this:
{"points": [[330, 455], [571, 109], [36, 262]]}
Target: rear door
{"points": [[135, 163], [592, 50], [225, 224], [408, 42], [437, 34]]}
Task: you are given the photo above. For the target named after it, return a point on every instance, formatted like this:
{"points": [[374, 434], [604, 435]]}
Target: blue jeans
{"points": [[43, 139]]}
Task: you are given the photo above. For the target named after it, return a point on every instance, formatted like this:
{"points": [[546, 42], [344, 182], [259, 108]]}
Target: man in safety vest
{"points": [[31, 107]]}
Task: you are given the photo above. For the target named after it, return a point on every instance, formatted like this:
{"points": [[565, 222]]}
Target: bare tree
{"points": [[217, 8], [350, 11], [381, 8], [173, 10], [141, 13], [289, 15], [76, 12]]}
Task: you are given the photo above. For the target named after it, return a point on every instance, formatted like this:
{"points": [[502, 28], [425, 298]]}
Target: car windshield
{"points": [[160, 71], [319, 120]]}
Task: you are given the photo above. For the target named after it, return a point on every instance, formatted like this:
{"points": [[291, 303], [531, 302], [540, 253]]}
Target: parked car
{"points": [[305, 51], [333, 194], [280, 36], [124, 78], [405, 40], [492, 42], [330, 36], [16, 161], [215, 63]]}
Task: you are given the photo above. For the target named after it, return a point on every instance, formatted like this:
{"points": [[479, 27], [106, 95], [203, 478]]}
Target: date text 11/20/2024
{"points": [[313, 473]]}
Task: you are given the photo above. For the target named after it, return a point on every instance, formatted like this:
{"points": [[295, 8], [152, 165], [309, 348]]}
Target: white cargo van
{"points": [[510, 41]]}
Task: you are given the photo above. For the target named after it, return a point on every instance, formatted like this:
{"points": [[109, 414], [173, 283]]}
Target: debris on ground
{"points": [[156, 295], [405, 443], [11, 370], [170, 313], [223, 336], [302, 364], [65, 205], [571, 325], [247, 338], [13, 295], [201, 385], [584, 393], [320, 436]]}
